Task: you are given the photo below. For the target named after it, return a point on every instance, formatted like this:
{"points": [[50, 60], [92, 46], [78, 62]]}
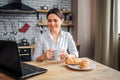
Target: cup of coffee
{"points": [[56, 54]]}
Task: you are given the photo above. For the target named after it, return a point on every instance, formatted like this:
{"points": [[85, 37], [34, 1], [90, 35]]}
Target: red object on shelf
{"points": [[25, 28]]}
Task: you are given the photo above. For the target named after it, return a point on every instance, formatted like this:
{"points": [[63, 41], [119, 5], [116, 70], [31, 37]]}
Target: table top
{"points": [[58, 70]]}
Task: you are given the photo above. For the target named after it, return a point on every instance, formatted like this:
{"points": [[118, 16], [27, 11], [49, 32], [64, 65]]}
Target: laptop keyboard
{"points": [[27, 69]]}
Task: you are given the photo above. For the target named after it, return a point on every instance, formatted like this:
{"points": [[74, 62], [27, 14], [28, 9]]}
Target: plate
{"points": [[77, 67]]}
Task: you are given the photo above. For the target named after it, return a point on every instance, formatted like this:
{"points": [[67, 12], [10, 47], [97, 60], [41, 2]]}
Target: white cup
{"points": [[56, 54]]}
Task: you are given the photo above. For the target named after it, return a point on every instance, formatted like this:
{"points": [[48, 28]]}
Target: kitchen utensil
{"points": [[24, 40], [11, 32], [44, 7], [44, 29], [64, 9], [15, 28], [41, 30], [11, 38], [5, 29]]}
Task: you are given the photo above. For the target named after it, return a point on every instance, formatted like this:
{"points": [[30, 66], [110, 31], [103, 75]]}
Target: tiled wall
{"points": [[18, 20]]}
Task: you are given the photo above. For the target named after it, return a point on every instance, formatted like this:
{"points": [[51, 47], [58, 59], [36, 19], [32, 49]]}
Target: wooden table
{"points": [[59, 71]]}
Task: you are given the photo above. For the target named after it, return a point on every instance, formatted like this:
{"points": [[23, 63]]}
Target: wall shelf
{"points": [[64, 25], [45, 11]]}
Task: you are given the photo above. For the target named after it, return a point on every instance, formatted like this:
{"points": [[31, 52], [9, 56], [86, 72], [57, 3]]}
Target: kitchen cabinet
{"points": [[26, 52]]}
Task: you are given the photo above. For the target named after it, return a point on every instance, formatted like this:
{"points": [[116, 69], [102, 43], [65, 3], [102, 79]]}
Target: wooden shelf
{"points": [[66, 12], [45, 11], [42, 11], [65, 25]]}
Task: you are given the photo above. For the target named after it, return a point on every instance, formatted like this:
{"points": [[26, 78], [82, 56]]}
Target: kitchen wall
{"points": [[84, 20], [18, 20]]}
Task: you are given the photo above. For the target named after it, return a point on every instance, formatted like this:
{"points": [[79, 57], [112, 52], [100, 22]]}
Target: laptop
{"points": [[11, 65]]}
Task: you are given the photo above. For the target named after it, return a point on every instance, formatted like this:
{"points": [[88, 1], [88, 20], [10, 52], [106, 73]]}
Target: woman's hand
{"points": [[49, 53], [64, 55]]}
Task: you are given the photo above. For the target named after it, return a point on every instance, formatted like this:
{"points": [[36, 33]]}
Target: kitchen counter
{"points": [[33, 46]]}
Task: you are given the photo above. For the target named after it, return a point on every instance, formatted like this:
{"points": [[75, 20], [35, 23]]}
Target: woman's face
{"points": [[54, 22]]}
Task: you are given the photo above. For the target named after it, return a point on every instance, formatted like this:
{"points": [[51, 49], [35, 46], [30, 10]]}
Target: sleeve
{"points": [[38, 48], [71, 46]]}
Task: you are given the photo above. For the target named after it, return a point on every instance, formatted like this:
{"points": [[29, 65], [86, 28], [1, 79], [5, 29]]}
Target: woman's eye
{"points": [[49, 20], [55, 20]]}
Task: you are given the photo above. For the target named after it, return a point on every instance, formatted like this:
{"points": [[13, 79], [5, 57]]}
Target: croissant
{"points": [[72, 61], [84, 63]]}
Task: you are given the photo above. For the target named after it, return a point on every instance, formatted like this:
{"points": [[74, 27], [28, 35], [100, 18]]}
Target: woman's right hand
{"points": [[49, 53]]}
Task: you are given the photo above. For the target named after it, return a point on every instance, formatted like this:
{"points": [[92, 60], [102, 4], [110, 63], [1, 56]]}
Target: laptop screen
{"points": [[9, 61]]}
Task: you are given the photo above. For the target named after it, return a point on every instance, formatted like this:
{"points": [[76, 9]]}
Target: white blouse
{"points": [[45, 41]]}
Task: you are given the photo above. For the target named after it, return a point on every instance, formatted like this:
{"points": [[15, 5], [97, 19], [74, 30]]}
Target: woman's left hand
{"points": [[64, 55]]}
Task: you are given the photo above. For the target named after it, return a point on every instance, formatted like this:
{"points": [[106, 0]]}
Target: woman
{"points": [[55, 39]]}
